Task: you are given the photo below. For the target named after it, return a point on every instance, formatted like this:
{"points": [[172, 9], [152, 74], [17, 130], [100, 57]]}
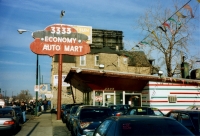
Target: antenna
{"points": [[61, 15]]}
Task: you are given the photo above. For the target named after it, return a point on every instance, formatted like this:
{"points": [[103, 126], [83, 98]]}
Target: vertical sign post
{"points": [[61, 39]]}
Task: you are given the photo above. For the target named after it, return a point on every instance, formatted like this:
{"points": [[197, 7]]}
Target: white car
{"points": [[2, 103]]}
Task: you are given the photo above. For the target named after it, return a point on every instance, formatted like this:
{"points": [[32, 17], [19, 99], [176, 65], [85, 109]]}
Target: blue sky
{"points": [[18, 62]]}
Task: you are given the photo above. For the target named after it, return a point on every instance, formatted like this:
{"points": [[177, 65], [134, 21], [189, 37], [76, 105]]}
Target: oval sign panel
{"points": [[59, 39]]}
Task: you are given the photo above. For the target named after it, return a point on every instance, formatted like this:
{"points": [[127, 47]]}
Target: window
{"points": [[96, 60], [82, 60], [95, 113], [103, 127], [125, 60], [172, 99], [133, 112]]}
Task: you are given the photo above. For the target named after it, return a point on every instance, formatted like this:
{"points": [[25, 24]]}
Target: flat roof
{"points": [[86, 79]]}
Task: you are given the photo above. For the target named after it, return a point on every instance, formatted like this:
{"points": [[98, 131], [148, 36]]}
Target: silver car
{"points": [[9, 121]]}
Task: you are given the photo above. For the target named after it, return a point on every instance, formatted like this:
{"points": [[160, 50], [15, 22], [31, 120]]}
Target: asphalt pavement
{"points": [[45, 124]]}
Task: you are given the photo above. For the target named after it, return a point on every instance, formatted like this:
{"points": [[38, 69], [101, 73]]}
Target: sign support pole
{"points": [[59, 87], [36, 93]]}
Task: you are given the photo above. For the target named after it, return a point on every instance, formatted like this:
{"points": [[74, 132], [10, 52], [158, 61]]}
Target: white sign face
{"points": [[87, 30], [49, 96], [36, 88], [55, 80], [43, 87]]}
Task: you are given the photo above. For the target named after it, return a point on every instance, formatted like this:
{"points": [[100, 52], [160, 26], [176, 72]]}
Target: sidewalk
{"points": [[44, 125]]}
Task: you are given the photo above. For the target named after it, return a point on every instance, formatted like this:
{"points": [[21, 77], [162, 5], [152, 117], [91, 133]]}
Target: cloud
{"points": [[16, 52], [15, 63]]}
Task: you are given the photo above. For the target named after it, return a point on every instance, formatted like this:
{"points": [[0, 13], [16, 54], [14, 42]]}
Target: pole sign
{"points": [[60, 39]]}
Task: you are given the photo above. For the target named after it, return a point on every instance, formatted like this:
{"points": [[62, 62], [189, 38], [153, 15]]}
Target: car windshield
{"points": [[195, 117], [18, 110], [146, 111], [6, 113], [150, 127], [74, 109], [94, 113], [118, 107], [67, 107]]}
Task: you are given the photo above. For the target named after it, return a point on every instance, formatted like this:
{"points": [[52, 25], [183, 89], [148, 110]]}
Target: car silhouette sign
{"points": [[59, 39]]}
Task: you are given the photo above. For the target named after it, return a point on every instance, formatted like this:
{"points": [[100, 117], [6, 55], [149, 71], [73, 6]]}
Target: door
{"points": [[108, 99]]}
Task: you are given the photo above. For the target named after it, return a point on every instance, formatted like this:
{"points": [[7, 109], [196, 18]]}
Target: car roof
{"points": [[120, 105], [185, 110], [11, 107], [142, 107], [93, 107], [6, 109], [74, 104], [140, 117]]}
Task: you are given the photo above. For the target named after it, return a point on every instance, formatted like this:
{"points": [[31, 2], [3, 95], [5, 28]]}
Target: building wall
{"points": [[110, 61], [156, 94]]}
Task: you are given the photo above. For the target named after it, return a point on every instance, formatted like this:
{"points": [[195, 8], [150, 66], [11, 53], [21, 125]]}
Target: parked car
{"points": [[119, 109], [18, 112], [88, 118], [130, 125], [189, 118], [2, 103], [70, 116], [144, 111], [65, 111], [54, 109], [9, 122]]}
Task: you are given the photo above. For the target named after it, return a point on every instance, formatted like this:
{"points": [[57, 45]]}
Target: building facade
{"points": [[106, 54]]}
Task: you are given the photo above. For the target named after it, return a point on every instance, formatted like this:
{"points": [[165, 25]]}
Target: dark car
{"points": [[54, 110], [9, 121], [70, 116], [66, 109], [189, 118], [88, 118], [18, 112], [137, 125], [144, 111], [119, 109]]}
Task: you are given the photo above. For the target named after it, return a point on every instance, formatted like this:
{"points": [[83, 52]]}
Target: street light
{"points": [[36, 95], [21, 31]]}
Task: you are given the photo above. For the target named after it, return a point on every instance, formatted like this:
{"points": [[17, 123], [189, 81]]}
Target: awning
{"points": [[85, 79]]}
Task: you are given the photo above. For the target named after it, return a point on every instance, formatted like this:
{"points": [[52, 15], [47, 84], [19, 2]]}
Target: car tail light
{"points": [[9, 123], [118, 114], [84, 124]]}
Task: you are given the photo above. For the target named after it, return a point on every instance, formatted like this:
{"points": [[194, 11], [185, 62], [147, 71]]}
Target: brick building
{"points": [[107, 51]]}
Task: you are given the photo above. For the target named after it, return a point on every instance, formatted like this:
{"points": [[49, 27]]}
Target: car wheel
{"points": [[67, 126], [72, 133]]}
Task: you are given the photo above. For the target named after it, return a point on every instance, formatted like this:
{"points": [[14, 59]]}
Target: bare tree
{"points": [[169, 33], [24, 96]]}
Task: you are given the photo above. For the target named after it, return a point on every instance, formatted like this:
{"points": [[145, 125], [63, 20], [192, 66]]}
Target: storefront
{"points": [[108, 87], [112, 87], [106, 98]]}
